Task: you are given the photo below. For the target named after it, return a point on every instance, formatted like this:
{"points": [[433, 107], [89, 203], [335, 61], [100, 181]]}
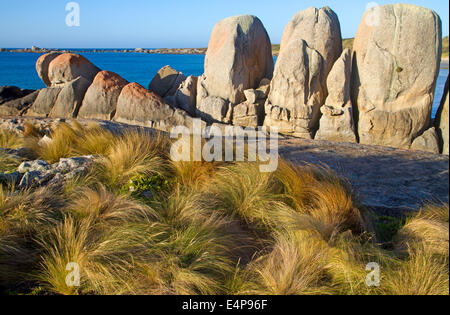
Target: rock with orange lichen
{"points": [[239, 56], [138, 106], [42, 65], [101, 98], [67, 67]]}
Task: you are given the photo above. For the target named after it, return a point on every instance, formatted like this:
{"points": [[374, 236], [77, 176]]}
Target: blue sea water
{"points": [[19, 68]]}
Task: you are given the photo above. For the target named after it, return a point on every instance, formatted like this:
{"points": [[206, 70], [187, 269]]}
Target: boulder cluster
{"points": [[381, 93]]}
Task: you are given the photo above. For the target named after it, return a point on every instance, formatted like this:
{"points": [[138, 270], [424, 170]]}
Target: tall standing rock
{"points": [[67, 67], [320, 29], [100, 101], [297, 91], [311, 44], [42, 65], [239, 56], [397, 58], [337, 122], [442, 118]]}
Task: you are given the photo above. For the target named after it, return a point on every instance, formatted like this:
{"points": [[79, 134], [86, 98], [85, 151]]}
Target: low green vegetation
{"points": [[139, 223], [348, 43], [445, 49]]}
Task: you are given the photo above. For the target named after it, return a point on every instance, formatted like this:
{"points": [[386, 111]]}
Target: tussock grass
{"points": [[8, 163], [10, 139], [428, 231], [135, 153], [322, 195], [23, 216], [206, 228], [106, 208], [420, 274], [70, 140], [242, 191], [295, 266]]}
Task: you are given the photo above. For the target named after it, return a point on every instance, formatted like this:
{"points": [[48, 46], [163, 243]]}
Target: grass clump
{"points": [[70, 140], [10, 139], [8, 162], [136, 153], [428, 231]]}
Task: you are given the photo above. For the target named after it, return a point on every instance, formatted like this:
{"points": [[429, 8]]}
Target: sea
{"points": [[19, 68]]}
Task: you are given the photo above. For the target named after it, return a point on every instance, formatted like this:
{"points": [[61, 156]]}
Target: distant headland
{"points": [[346, 43]]}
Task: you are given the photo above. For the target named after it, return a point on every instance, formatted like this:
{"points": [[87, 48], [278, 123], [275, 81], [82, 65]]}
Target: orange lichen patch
{"points": [[68, 58], [109, 81], [218, 38], [138, 92]]}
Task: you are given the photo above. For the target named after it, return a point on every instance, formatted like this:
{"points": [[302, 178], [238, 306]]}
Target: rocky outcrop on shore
{"points": [[239, 56], [163, 51], [100, 101], [311, 44], [380, 94]]}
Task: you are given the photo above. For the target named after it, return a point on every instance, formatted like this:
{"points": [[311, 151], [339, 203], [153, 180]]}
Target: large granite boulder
{"points": [[310, 45], [138, 106], [337, 122], [239, 56], [297, 90], [44, 102], [67, 67], [42, 65], [101, 98], [19, 106], [320, 29], [70, 98], [166, 82], [441, 122], [396, 64]]}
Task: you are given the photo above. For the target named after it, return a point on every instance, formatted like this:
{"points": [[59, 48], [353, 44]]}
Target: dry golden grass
{"points": [[104, 207], [8, 162], [132, 154], [69, 140], [428, 231], [420, 274], [322, 195], [23, 216], [10, 139], [295, 266]]}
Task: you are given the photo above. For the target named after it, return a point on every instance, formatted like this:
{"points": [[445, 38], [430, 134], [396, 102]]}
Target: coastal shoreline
{"points": [[161, 51]]}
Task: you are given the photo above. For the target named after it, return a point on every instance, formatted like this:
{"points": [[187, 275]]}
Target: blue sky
{"points": [[156, 23]]}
